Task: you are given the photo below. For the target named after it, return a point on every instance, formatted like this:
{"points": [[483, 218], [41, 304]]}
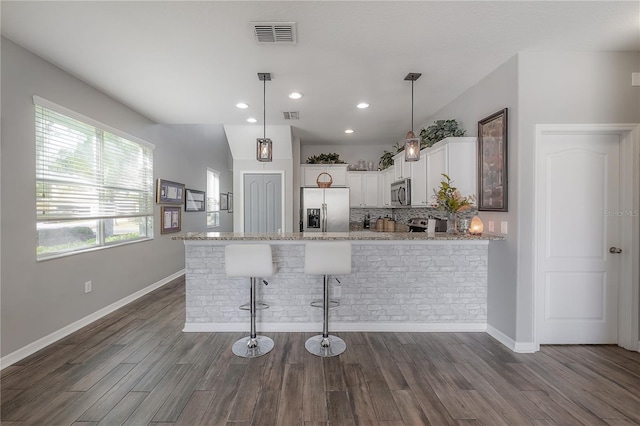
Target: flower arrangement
{"points": [[449, 199]]}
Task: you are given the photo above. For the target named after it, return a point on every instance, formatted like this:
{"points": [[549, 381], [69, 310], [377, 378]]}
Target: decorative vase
{"points": [[452, 223], [463, 225]]}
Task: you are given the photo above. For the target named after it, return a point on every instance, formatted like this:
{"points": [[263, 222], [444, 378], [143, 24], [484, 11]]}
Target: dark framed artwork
{"points": [[168, 192], [194, 200], [230, 199], [170, 219], [492, 163], [224, 201]]}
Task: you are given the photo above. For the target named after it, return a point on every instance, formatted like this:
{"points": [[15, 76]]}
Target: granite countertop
{"points": [[351, 235]]}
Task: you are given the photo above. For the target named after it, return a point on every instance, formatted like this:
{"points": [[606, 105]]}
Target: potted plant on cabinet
{"points": [[439, 130], [330, 158]]}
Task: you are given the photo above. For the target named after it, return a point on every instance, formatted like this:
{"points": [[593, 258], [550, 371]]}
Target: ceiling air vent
{"points": [[291, 115], [274, 32]]}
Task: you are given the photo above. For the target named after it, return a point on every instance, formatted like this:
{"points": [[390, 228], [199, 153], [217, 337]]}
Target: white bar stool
{"points": [[326, 258], [253, 261]]}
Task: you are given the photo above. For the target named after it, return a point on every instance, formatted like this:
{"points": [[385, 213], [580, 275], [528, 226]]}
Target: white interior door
{"points": [[577, 190]]}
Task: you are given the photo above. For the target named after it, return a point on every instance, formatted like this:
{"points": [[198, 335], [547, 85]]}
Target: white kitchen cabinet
{"points": [[363, 189], [384, 189], [309, 174], [455, 157], [401, 168], [419, 194]]}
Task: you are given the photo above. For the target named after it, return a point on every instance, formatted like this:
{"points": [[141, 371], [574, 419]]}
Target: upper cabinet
{"points": [[384, 190], [363, 189], [401, 168], [309, 174], [419, 194], [455, 157]]}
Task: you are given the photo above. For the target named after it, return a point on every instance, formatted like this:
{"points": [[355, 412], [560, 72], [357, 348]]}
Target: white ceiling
{"points": [[191, 62]]}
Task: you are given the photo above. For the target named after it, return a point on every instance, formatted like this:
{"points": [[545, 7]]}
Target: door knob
{"points": [[615, 250]]}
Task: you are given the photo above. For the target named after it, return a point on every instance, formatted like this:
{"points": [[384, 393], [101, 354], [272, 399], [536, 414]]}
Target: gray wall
{"points": [[568, 88], [538, 88], [496, 91], [39, 298], [200, 146]]}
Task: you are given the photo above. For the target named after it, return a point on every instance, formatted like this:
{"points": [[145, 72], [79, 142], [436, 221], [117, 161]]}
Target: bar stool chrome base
{"points": [[252, 348], [325, 346]]}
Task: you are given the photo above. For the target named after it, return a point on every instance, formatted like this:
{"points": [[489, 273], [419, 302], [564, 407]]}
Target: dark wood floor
{"points": [[136, 367]]}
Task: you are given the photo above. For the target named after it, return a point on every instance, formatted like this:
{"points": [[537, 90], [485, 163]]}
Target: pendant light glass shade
{"points": [[411, 147], [411, 143], [264, 146], [265, 150]]}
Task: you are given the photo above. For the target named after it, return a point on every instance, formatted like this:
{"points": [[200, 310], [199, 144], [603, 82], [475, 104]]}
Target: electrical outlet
{"points": [[503, 227], [87, 287], [337, 291], [492, 227]]}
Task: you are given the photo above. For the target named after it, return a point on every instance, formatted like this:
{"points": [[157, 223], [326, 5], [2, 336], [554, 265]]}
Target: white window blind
{"points": [[85, 172]]}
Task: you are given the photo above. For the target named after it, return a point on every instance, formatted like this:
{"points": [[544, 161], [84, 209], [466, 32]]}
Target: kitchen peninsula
{"points": [[400, 281]]}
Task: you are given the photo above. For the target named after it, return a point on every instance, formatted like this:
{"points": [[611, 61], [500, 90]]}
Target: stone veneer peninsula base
{"points": [[399, 282]]}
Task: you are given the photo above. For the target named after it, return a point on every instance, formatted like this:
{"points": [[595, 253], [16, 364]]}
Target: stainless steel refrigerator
{"points": [[324, 209]]}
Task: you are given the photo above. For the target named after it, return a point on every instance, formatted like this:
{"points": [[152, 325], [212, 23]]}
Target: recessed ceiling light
{"points": [[295, 95], [252, 120], [349, 131], [242, 105], [363, 105]]}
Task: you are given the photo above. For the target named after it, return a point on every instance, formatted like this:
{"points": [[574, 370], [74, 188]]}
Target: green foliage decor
{"points": [[439, 130], [386, 160], [428, 136], [449, 199], [330, 158]]}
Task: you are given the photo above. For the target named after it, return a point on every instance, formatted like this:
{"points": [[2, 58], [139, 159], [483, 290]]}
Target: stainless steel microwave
{"points": [[401, 193]]}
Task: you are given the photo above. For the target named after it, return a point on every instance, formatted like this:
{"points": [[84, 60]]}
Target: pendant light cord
{"points": [[412, 105], [264, 109]]}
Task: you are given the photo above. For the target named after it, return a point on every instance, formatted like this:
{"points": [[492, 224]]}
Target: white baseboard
{"points": [[519, 347], [209, 327], [31, 348]]}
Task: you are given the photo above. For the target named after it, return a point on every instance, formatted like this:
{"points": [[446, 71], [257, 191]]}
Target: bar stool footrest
{"points": [[259, 306], [319, 303]]}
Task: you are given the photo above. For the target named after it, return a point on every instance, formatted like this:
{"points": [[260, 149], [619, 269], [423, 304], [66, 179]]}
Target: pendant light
{"points": [[411, 143], [264, 145]]}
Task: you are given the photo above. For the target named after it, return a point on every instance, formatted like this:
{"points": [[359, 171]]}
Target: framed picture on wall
{"points": [[230, 198], [194, 200], [224, 201], [492, 163], [168, 192], [170, 219]]}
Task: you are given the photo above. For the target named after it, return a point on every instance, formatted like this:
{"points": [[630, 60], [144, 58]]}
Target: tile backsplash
{"points": [[400, 215]]}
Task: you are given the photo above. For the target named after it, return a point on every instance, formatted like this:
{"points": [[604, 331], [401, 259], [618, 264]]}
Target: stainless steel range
{"points": [[419, 224]]}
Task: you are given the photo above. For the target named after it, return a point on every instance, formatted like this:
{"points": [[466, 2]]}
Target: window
{"points": [[94, 185], [213, 198]]}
